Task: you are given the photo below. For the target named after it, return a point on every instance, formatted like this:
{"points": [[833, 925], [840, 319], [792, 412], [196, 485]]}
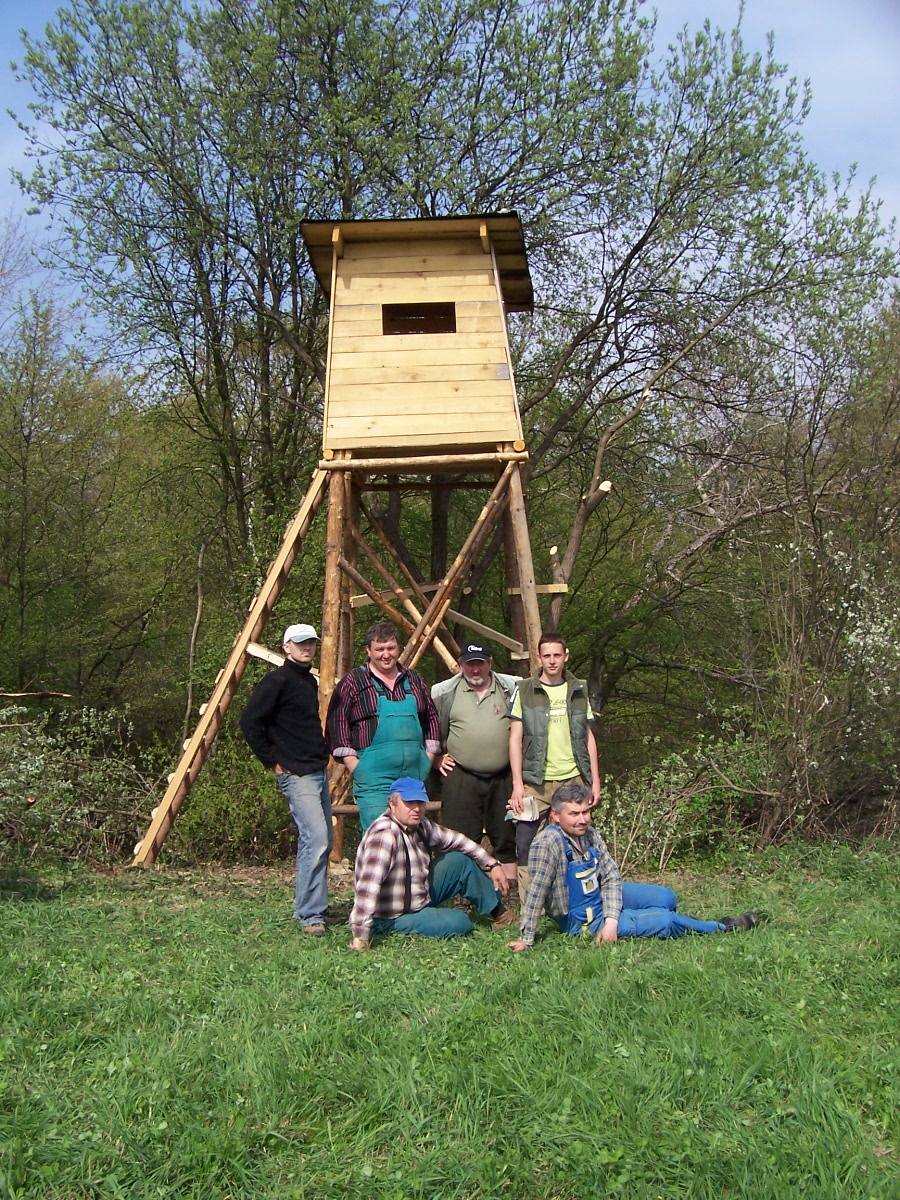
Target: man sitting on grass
{"points": [[398, 884], [574, 875]]}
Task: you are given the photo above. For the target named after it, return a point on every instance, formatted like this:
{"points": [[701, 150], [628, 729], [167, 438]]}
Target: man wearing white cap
{"points": [[281, 723]]}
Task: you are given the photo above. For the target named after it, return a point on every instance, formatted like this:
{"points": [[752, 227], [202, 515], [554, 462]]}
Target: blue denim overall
{"points": [[585, 904], [397, 749], [648, 910]]}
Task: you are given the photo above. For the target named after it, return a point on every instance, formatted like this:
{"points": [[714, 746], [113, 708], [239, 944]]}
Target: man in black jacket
{"points": [[281, 723]]}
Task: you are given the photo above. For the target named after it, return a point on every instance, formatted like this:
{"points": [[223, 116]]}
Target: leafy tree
{"points": [[90, 568], [699, 282]]}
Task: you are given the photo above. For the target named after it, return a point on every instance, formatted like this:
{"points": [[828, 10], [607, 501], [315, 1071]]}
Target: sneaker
{"points": [[314, 930], [504, 918], [746, 920]]}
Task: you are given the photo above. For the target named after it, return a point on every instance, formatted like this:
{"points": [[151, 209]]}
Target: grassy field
{"points": [[167, 1034]]}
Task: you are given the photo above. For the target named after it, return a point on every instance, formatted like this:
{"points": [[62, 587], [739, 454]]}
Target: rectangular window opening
{"points": [[418, 318]]}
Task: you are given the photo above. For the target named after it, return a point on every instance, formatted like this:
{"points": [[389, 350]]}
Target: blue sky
{"points": [[849, 49], [850, 52]]}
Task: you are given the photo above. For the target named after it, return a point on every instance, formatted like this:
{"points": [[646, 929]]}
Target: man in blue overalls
{"points": [[382, 724], [574, 876]]}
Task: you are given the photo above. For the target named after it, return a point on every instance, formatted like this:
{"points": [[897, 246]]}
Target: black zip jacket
{"points": [[281, 721]]}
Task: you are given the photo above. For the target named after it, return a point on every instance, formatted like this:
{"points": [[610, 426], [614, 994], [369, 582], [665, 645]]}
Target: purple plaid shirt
{"points": [[380, 876], [353, 711]]}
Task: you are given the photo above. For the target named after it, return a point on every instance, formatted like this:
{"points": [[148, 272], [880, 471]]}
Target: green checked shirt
{"points": [[547, 882]]}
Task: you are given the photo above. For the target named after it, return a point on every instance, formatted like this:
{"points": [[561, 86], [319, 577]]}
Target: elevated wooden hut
{"points": [[418, 354]]}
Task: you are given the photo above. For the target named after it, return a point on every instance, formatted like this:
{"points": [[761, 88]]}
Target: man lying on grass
{"points": [[574, 875], [398, 883]]}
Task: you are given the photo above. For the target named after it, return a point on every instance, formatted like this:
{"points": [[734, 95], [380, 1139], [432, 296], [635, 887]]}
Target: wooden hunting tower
{"points": [[419, 395], [418, 356]]}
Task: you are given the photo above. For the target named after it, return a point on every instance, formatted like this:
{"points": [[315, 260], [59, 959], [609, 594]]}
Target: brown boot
{"points": [[503, 917]]}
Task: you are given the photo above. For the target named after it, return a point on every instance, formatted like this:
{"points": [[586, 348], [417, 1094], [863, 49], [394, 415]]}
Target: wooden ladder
{"points": [[212, 713]]}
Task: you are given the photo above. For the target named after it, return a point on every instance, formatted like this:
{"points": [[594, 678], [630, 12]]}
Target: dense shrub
{"points": [[234, 812], [705, 799], [727, 794], [72, 785]]}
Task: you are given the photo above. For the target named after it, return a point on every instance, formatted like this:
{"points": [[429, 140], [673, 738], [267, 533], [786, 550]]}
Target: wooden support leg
{"points": [[350, 521], [514, 589], [329, 654], [519, 522], [213, 712], [337, 775]]}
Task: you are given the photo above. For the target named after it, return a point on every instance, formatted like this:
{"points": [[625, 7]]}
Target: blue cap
{"points": [[410, 790]]}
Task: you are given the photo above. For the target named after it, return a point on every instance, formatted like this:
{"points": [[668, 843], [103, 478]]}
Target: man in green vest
{"points": [[551, 742]]}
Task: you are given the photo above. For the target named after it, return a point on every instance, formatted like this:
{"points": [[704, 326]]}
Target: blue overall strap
{"points": [[567, 849], [585, 904]]}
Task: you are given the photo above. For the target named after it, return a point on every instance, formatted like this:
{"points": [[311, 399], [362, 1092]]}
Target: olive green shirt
{"points": [[479, 729]]}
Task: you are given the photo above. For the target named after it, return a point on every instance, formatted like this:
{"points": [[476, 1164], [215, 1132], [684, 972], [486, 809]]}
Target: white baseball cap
{"points": [[299, 633]]}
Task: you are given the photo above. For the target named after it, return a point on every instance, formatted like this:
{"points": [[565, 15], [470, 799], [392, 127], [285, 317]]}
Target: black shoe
{"points": [[747, 920]]}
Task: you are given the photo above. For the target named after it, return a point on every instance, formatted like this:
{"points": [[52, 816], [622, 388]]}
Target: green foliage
{"points": [[89, 524], [171, 1034], [73, 785], [700, 801], [234, 812]]}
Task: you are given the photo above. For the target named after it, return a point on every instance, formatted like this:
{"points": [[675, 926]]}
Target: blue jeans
{"points": [[648, 911], [310, 804], [450, 874]]}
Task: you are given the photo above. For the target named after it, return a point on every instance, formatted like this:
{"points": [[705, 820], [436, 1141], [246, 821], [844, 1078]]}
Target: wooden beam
{"points": [[395, 466], [462, 564], [198, 746], [275, 657], [352, 810], [362, 601], [418, 589], [541, 589], [36, 695], [414, 485], [399, 594], [485, 631], [389, 611]]}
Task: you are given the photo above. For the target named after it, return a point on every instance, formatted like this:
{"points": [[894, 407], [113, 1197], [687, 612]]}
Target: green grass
{"points": [[166, 1034]]}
